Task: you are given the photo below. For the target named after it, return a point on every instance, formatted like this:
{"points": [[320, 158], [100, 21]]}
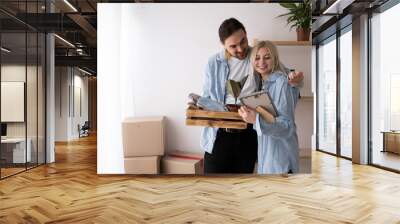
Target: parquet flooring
{"points": [[10, 171], [70, 191]]}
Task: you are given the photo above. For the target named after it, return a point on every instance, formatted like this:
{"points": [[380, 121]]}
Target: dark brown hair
{"points": [[228, 27]]}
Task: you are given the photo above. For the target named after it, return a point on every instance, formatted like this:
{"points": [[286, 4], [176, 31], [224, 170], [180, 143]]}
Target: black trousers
{"points": [[232, 152]]}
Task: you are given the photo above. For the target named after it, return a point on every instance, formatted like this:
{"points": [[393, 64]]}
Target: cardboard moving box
{"points": [[178, 162], [176, 165], [142, 165], [143, 136]]}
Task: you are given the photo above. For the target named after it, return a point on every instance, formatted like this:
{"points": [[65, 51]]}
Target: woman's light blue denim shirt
{"points": [[278, 148]]}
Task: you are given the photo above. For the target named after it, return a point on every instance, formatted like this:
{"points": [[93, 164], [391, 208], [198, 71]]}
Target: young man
{"points": [[230, 150]]}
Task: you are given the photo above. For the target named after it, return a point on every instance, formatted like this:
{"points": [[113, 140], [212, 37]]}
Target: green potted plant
{"points": [[299, 16]]}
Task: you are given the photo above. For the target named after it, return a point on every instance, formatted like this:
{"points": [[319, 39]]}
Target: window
{"points": [[22, 77], [346, 93], [327, 96], [335, 74], [385, 89]]}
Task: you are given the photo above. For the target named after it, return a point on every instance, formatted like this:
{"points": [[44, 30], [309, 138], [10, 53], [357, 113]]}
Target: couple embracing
{"points": [[273, 143]]}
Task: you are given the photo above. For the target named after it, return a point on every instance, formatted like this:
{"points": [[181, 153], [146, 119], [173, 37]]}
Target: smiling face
{"points": [[263, 62], [237, 44]]}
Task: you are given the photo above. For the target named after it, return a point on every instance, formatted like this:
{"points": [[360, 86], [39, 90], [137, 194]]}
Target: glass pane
{"points": [[385, 86], [41, 98], [346, 94], [31, 101], [327, 97], [13, 87], [7, 23], [32, 7]]}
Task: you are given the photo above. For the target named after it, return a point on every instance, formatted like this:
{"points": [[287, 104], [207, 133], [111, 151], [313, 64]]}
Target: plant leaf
{"points": [[299, 14]]}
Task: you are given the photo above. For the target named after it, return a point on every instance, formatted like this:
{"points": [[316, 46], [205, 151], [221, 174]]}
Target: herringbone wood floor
{"points": [[70, 191]]}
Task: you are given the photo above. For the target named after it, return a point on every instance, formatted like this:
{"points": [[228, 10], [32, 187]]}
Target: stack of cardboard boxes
{"points": [[144, 144]]}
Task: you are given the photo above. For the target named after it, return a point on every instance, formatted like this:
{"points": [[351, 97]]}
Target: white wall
{"points": [[109, 113], [299, 58], [151, 56], [68, 81], [61, 103], [81, 104]]}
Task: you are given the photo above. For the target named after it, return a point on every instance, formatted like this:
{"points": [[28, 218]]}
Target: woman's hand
{"points": [[295, 78], [247, 114]]}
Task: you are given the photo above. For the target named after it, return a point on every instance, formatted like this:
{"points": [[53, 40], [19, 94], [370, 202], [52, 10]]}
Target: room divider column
{"points": [[360, 90]]}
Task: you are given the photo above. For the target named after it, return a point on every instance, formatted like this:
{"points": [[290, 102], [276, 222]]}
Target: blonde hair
{"points": [[272, 51]]}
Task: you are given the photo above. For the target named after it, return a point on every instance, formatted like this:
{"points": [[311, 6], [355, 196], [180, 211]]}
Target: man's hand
{"points": [[247, 114], [295, 78]]}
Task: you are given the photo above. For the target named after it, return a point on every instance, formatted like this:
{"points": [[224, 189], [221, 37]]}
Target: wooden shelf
{"points": [[307, 98], [292, 43], [287, 43]]}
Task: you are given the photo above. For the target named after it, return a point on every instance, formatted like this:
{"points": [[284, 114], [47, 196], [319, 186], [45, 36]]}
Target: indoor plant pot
{"points": [[303, 34]]}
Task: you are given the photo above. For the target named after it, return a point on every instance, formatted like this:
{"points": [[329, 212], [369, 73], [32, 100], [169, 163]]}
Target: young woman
{"points": [[278, 148]]}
